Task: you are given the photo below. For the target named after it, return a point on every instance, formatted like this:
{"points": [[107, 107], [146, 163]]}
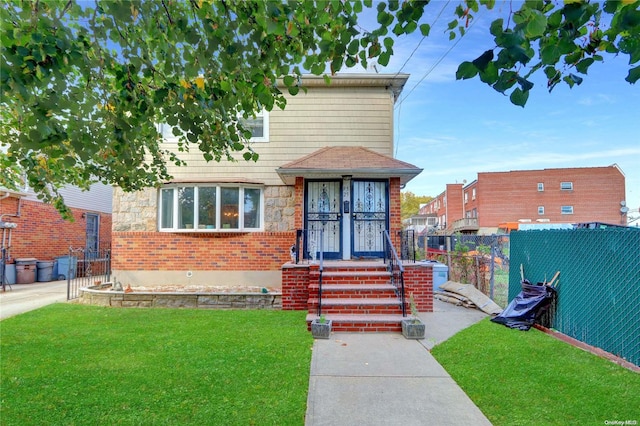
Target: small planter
{"points": [[413, 328], [320, 330]]}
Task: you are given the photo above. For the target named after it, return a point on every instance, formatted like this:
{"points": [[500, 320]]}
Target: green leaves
{"points": [[85, 86]]}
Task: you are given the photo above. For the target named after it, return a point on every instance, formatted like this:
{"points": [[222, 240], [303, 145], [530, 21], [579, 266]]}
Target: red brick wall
{"points": [[395, 219], [43, 234], [510, 196], [164, 251], [472, 203], [454, 209], [418, 280], [295, 287]]}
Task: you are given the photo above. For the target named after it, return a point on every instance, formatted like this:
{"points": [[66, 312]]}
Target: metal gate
{"points": [[323, 202], [370, 217], [85, 268]]}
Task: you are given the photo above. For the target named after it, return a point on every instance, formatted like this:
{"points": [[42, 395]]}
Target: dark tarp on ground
{"points": [[528, 307]]}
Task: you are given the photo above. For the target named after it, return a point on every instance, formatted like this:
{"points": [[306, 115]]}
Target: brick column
{"points": [[295, 287], [418, 280]]}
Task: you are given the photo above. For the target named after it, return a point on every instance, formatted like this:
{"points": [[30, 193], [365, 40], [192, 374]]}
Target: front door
{"points": [[323, 219], [352, 215], [370, 218]]}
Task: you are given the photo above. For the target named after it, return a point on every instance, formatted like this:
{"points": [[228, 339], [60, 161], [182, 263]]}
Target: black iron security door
{"points": [[370, 218], [323, 204]]}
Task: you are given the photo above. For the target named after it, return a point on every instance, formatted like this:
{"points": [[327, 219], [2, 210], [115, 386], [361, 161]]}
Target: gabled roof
{"points": [[355, 161]]}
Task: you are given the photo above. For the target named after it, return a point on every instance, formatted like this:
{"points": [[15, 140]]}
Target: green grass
{"points": [[87, 365], [525, 378]]}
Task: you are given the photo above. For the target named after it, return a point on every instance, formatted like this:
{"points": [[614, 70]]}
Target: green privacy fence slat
{"points": [[599, 284]]}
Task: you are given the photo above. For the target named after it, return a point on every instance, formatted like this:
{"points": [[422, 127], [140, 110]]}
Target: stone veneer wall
{"points": [[103, 297], [137, 211]]}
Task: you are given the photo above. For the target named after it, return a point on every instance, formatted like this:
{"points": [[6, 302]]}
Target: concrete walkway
{"points": [[19, 298], [384, 379]]}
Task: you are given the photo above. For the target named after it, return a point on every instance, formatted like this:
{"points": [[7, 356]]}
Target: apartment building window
{"points": [[566, 186], [566, 209], [473, 194], [466, 197], [540, 186], [540, 210], [210, 208]]}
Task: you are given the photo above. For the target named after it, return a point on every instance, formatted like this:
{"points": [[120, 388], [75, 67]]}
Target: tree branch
{"points": [[167, 12]]}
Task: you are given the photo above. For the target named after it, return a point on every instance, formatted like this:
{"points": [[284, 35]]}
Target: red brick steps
{"points": [[362, 323], [357, 298]]}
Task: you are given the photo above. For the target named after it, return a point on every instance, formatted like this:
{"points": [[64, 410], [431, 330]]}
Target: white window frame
{"points": [[473, 193], [566, 209], [566, 186], [166, 131], [541, 210], [265, 126], [466, 197], [170, 137], [218, 226], [540, 187]]}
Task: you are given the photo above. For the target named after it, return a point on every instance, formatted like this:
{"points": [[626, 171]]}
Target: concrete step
{"points": [[353, 305], [359, 323]]}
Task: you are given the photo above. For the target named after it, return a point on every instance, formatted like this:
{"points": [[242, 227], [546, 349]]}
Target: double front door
{"points": [[352, 214]]}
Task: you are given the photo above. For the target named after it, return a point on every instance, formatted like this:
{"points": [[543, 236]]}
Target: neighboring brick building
{"points": [[33, 229], [571, 195], [326, 162]]}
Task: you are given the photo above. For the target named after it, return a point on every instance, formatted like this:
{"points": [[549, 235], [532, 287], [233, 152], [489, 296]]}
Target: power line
{"points": [[437, 62], [422, 39]]}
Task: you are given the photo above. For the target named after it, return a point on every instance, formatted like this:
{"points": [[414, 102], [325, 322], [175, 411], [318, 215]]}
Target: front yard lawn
{"points": [[526, 378], [74, 364]]}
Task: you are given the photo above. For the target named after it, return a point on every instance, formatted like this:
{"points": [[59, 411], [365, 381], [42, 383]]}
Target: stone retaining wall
{"points": [[97, 295]]}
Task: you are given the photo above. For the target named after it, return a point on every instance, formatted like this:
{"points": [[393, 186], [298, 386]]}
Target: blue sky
{"points": [[455, 129]]}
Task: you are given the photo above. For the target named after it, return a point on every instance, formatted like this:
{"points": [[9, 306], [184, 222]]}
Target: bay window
{"points": [[210, 207]]}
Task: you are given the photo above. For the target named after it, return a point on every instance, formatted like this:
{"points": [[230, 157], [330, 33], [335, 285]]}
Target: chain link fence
{"points": [[598, 299], [481, 260]]}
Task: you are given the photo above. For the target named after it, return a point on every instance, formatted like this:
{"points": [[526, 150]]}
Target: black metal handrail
{"points": [[320, 269], [397, 270], [304, 250]]}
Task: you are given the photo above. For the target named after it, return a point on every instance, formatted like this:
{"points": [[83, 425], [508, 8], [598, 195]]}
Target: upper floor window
{"points": [[466, 197], [258, 126], [210, 208], [540, 186], [566, 186], [566, 209], [473, 194], [540, 209]]}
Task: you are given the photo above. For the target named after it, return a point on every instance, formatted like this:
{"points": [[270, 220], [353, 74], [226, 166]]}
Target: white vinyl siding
{"points": [[323, 117], [99, 197]]}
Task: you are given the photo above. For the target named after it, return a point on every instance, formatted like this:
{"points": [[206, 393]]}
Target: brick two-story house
{"points": [[326, 162]]}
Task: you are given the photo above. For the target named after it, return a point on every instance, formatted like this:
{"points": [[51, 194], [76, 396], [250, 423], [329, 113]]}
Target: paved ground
{"points": [[19, 298], [384, 379]]}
